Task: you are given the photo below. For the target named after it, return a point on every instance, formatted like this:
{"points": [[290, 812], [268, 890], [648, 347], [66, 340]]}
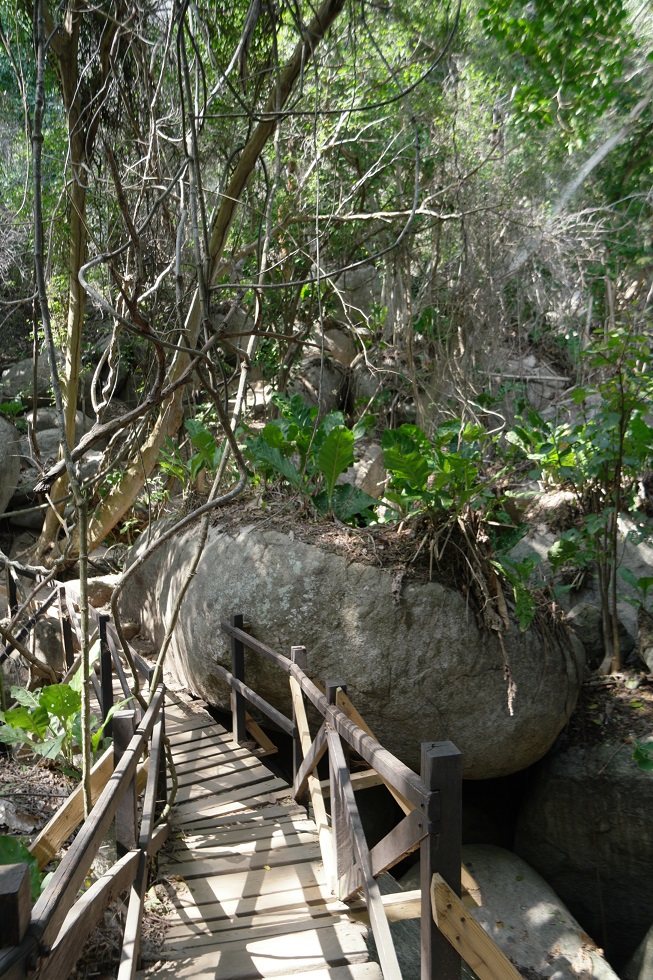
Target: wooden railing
{"points": [[431, 801], [49, 938]]}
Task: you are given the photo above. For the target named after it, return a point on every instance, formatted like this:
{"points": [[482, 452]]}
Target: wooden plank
{"points": [[244, 816], [238, 798], [344, 703], [239, 885], [274, 923], [84, 915], [224, 785], [269, 956], [130, 952], [267, 745], [357, 971], [223, 915], [363, 779], [274, 830], [399, 843], [237, 861], [201, 850], [398, 906], [467, 936], [71, 813], [179, 726], [317, 799], [378, 921], [279, 719], [311, 759], [15, 903], [205, 771], [54, 904]]}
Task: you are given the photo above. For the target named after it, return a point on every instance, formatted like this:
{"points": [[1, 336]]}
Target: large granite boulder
{"points": [[525, 918], [586, 827], [9, 462], [416, 663]]}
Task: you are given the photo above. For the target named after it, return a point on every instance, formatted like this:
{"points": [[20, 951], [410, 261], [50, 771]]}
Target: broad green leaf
{"points": [[14, 736], [346, 502], [23, 696], [50, 748], [279, 463], [62, 701], [336, 455], [33, 720]]}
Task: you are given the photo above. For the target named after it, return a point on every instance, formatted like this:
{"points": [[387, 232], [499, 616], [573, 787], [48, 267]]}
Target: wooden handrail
{"points": [[52, 907]]}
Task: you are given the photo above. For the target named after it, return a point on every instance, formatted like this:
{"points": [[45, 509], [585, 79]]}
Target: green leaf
{"points": [[336, 455], [23, 696], [75, 683], [33, 720], [62, 701], [279, 463], [346, 502], [12, 851]]}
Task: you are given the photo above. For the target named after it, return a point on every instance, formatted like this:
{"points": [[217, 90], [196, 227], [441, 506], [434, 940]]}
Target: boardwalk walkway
{"points": [[251, 898]]}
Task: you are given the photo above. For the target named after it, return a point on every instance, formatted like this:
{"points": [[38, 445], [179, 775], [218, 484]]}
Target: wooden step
{"points": [[319, 947]]}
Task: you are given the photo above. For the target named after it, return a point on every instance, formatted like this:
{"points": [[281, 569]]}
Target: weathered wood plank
{"points": [[85, 913], [190, 810], [244, 816], [378, 920], [207, 850], [253, 861], [467, 936], [222, 915], [239, 885], [71, 813], [130, 952], [317, 799], [331, 944], [15, 903], [53, 906], [224, 785], [279, 829], [273, 923]]}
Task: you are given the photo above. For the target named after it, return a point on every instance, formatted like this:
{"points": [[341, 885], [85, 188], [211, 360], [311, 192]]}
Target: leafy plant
{"points": [[643, 755], [599, 458], [48, 721], [518, 574], [311, 457], [207, 454], [438, 474]]}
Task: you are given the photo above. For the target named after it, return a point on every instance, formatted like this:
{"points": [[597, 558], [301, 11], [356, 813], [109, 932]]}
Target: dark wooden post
{"points": [[238, 671], [15, 903], [298, 656], [342, 840], [66, 629], [162, 780], [440, 851], [126, 815], [106, 674]]}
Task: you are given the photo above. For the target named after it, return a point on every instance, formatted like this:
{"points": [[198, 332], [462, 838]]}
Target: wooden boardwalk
{"points": [[250, 892]]}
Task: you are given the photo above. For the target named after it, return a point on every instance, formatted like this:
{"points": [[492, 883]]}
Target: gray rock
{"points": [[47, 648], [9, 462], [337, 344], [18, 380], [417, 665], [587, 828], [46, 418], [527, 920], [319, 384], [368, 472], [640, 967], [358, 292]]}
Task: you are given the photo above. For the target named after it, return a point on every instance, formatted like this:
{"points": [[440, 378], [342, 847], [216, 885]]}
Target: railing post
{"points": [[126, 815], [299, 657], [238, 671], [342, 839], [15, 903], [66, 629], [440, 852], [106, 674], [162, 779]]}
